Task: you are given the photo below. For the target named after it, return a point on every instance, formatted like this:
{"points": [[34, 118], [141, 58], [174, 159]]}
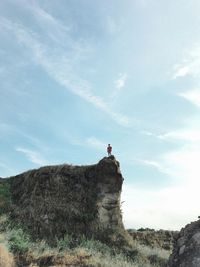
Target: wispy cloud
{"points": [[192, 135], [190, 64], [121, 81], [181, 71], [150, 163], [189, 134], [33, 156], [162, 206], [59, 65], [183, 161], [96, 143], [193, 96]]}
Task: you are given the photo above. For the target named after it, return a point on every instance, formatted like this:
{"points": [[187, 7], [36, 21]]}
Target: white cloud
{"points": [[189, 134], [60, 67], [121, 81], [192, 135], [152, 164], [193, 96], [32, 156], [176, 205], [167, 208], [190, 64], [181, 71], [96, 143], [183, 163]]}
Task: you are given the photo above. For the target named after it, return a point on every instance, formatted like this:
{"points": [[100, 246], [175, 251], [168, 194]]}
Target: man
{"points": [[109, 150]]}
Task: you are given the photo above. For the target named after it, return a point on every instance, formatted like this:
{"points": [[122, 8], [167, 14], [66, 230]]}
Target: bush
{"points": [[65, 243], [95, 245], [19, 242]]}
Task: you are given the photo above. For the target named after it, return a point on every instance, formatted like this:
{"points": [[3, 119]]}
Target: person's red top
{"points": [[109, 148]]}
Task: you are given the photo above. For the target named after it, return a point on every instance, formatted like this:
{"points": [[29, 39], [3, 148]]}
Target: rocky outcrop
{"points": [[54, 200], [186, 252], [162, 239]]}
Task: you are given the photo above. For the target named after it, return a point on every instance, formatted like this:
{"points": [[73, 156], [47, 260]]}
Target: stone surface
{"points": [[186, 251], [54, 200]]}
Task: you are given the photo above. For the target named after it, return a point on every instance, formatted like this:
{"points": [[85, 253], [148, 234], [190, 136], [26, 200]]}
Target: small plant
{"points": [[94, 245], [19, 242], [65, 243]]}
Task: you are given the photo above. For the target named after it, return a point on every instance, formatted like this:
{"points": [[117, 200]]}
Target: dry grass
{"points": [[6, 258], [68, 252]]}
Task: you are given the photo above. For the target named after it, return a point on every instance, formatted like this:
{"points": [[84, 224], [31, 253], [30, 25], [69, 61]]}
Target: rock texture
{"points": [[54, 200], [186, 252], [162, 239]]}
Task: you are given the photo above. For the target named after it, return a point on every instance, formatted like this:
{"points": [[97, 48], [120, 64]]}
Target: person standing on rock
{"points": [[109, 150]]}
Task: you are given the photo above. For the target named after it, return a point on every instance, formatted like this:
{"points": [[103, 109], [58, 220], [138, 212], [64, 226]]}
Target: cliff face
{"points": [[186, 252], [55, 200]]}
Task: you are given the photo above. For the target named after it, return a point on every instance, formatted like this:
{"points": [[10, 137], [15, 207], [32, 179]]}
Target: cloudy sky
{"points": [[79, 74]]}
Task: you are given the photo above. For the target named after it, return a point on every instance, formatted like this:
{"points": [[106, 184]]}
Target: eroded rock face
{"points": [[186, 252], [55, 200]]}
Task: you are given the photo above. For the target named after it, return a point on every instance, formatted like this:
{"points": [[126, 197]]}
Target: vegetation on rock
{"points": [[69, 216]]}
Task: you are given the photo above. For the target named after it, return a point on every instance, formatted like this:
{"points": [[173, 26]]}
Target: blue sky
{"points": [[77, 75]]}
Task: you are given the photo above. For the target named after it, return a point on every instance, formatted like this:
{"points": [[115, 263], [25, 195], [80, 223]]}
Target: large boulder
{"points": [[186, 252]]}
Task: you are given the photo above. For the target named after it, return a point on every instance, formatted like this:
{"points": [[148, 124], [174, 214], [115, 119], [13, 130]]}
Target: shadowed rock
{"points": [[186, 252]]}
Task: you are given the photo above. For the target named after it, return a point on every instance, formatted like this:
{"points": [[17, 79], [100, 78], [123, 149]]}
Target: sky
{"points": [[79, 74]]}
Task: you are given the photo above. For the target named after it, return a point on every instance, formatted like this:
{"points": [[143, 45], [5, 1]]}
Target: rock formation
{"points": [[186, 252], [54, 200], [162, 239]]}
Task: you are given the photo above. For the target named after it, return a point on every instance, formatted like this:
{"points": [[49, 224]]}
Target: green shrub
{"points": [[95, 245], [19, 242], [65, 243]]}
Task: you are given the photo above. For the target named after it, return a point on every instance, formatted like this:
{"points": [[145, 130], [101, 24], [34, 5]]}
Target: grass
{"points": [[79, 251]]}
